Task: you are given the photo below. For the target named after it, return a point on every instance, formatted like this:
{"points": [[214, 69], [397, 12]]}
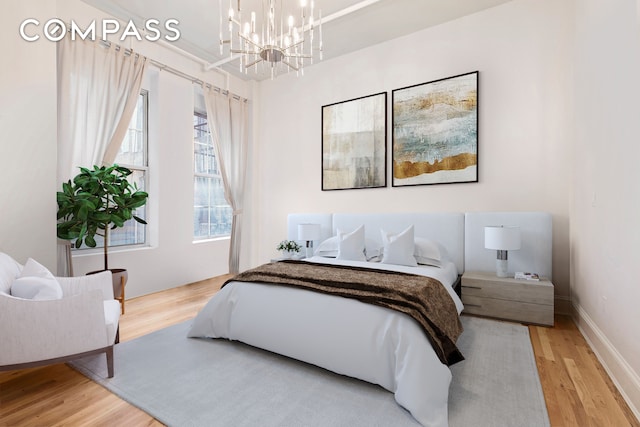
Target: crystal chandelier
{"points": [[275, 44]]}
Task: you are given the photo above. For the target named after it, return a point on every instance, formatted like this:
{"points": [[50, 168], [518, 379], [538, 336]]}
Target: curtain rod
{"points": [[165, 67], [194, 80], [176, 72]]}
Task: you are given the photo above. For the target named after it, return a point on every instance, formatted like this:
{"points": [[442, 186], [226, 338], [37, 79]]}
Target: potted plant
{"points": [[288, 248], [95, 201]]}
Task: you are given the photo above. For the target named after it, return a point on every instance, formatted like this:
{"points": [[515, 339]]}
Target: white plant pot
{"points": [[287, 254]]}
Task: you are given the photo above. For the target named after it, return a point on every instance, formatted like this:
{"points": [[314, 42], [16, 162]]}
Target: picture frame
{"points": [[354, 143], [435, 132]]}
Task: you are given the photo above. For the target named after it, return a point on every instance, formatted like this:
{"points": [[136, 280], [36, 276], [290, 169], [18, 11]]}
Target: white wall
{"points": [[172, 258], [605, 238], [523, 52], [27, 137]]}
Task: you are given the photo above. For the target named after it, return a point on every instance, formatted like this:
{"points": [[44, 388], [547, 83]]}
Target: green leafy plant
{"points": [[96, 201], [289, 246]]}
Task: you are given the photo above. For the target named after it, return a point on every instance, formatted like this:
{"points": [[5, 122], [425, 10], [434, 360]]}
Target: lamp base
{"points": [[309, 252], [502, 268]]}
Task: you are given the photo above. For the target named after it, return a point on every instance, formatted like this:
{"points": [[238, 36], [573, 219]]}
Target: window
{"points": [[133, 155], [211, 212]]}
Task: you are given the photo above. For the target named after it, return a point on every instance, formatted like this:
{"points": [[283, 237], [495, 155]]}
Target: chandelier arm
{"points": [[248, 40], [301, 41], [299, 56], [253, 63], [288, 64], [245, 52]]}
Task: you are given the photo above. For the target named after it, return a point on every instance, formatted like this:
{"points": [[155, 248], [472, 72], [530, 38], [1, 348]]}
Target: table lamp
{"points": [[309, 233], [502, 238]]}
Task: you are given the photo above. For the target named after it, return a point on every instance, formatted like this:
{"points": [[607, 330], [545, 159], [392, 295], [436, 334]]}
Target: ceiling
{"points": [[356, 24]]}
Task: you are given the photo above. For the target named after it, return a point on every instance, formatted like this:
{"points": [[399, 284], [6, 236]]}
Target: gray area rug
{"points": [[195, 382]]}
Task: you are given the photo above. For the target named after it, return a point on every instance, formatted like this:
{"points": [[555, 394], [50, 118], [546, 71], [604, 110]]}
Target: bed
{"points": [[364, 341], [369, 342]]}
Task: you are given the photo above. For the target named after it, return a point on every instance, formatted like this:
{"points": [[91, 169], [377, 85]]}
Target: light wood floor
{"points": [[577, 390]]}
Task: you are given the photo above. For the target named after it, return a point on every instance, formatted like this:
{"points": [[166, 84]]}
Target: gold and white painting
{"points": [[354, 143], [435, 132]]}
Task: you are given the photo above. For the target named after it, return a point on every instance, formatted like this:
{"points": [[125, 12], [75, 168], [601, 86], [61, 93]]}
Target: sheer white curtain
{"points": [[98, 88], [229, 125]]}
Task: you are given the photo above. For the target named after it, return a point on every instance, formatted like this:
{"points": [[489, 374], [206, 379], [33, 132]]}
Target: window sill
{"points": [[81, 253], [211, 239]]}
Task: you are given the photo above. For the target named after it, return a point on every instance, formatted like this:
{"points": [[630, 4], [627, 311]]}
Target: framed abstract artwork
{"points": [[435, 132], [354, 143]]}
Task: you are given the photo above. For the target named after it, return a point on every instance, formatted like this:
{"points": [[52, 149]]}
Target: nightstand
{"points": [[525, 301]]}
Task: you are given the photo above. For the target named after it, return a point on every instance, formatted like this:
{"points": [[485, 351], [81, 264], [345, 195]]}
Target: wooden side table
{"points": [[520, 300], [123, 282], [120, 277]]}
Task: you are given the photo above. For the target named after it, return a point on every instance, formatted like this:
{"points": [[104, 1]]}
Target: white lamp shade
{"points": [[308, 232], [502, 238]]}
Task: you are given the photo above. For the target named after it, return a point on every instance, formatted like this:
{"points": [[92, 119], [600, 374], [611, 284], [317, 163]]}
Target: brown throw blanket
{"points": [[422, 298]]}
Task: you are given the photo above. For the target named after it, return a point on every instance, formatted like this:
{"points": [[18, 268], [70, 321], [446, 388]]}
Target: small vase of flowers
{"points": [[288, 248]]}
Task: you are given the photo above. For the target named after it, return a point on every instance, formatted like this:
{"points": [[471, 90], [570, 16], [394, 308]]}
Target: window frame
{"points": [[145, 170]]}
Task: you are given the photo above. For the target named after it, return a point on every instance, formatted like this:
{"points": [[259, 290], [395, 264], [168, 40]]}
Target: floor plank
{"points": [[577, 390]]}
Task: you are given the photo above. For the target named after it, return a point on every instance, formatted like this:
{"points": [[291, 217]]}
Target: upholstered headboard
{"points": [[444, 228], [462, 234]]}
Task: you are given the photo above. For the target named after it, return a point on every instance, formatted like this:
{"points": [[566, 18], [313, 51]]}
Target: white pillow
{"points": [[36, 282], [329, 248], [428, 252], [398, 249], [351, 245]]}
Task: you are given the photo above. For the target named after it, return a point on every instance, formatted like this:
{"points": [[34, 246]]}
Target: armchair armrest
{"points": [[39, 330], [81, 284]]}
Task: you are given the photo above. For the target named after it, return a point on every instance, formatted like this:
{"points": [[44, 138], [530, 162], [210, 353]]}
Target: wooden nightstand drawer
{"points": [[531, 292], [510, 310], [485, 294]]}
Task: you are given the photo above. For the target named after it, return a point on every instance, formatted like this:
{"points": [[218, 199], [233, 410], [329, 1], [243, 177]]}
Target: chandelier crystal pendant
{"points": [[276, 44]]}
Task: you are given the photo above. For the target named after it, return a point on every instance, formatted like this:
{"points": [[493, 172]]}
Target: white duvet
{"points": [[364, 341]]}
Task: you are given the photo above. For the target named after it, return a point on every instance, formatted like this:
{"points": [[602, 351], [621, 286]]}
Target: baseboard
{"points": [[622, 375], [562, 305]]}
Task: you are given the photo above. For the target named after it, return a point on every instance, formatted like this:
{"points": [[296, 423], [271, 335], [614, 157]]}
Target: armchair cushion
{"points": [[36, 282], [9, 270]]}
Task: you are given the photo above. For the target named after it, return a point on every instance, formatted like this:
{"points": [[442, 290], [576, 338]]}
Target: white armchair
{"points": [[39, 332]]}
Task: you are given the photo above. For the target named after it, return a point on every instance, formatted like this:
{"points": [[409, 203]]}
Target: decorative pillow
{"points": [[428, 252], [351, 245], [36, 282], [398, 249], [329, 248]]}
